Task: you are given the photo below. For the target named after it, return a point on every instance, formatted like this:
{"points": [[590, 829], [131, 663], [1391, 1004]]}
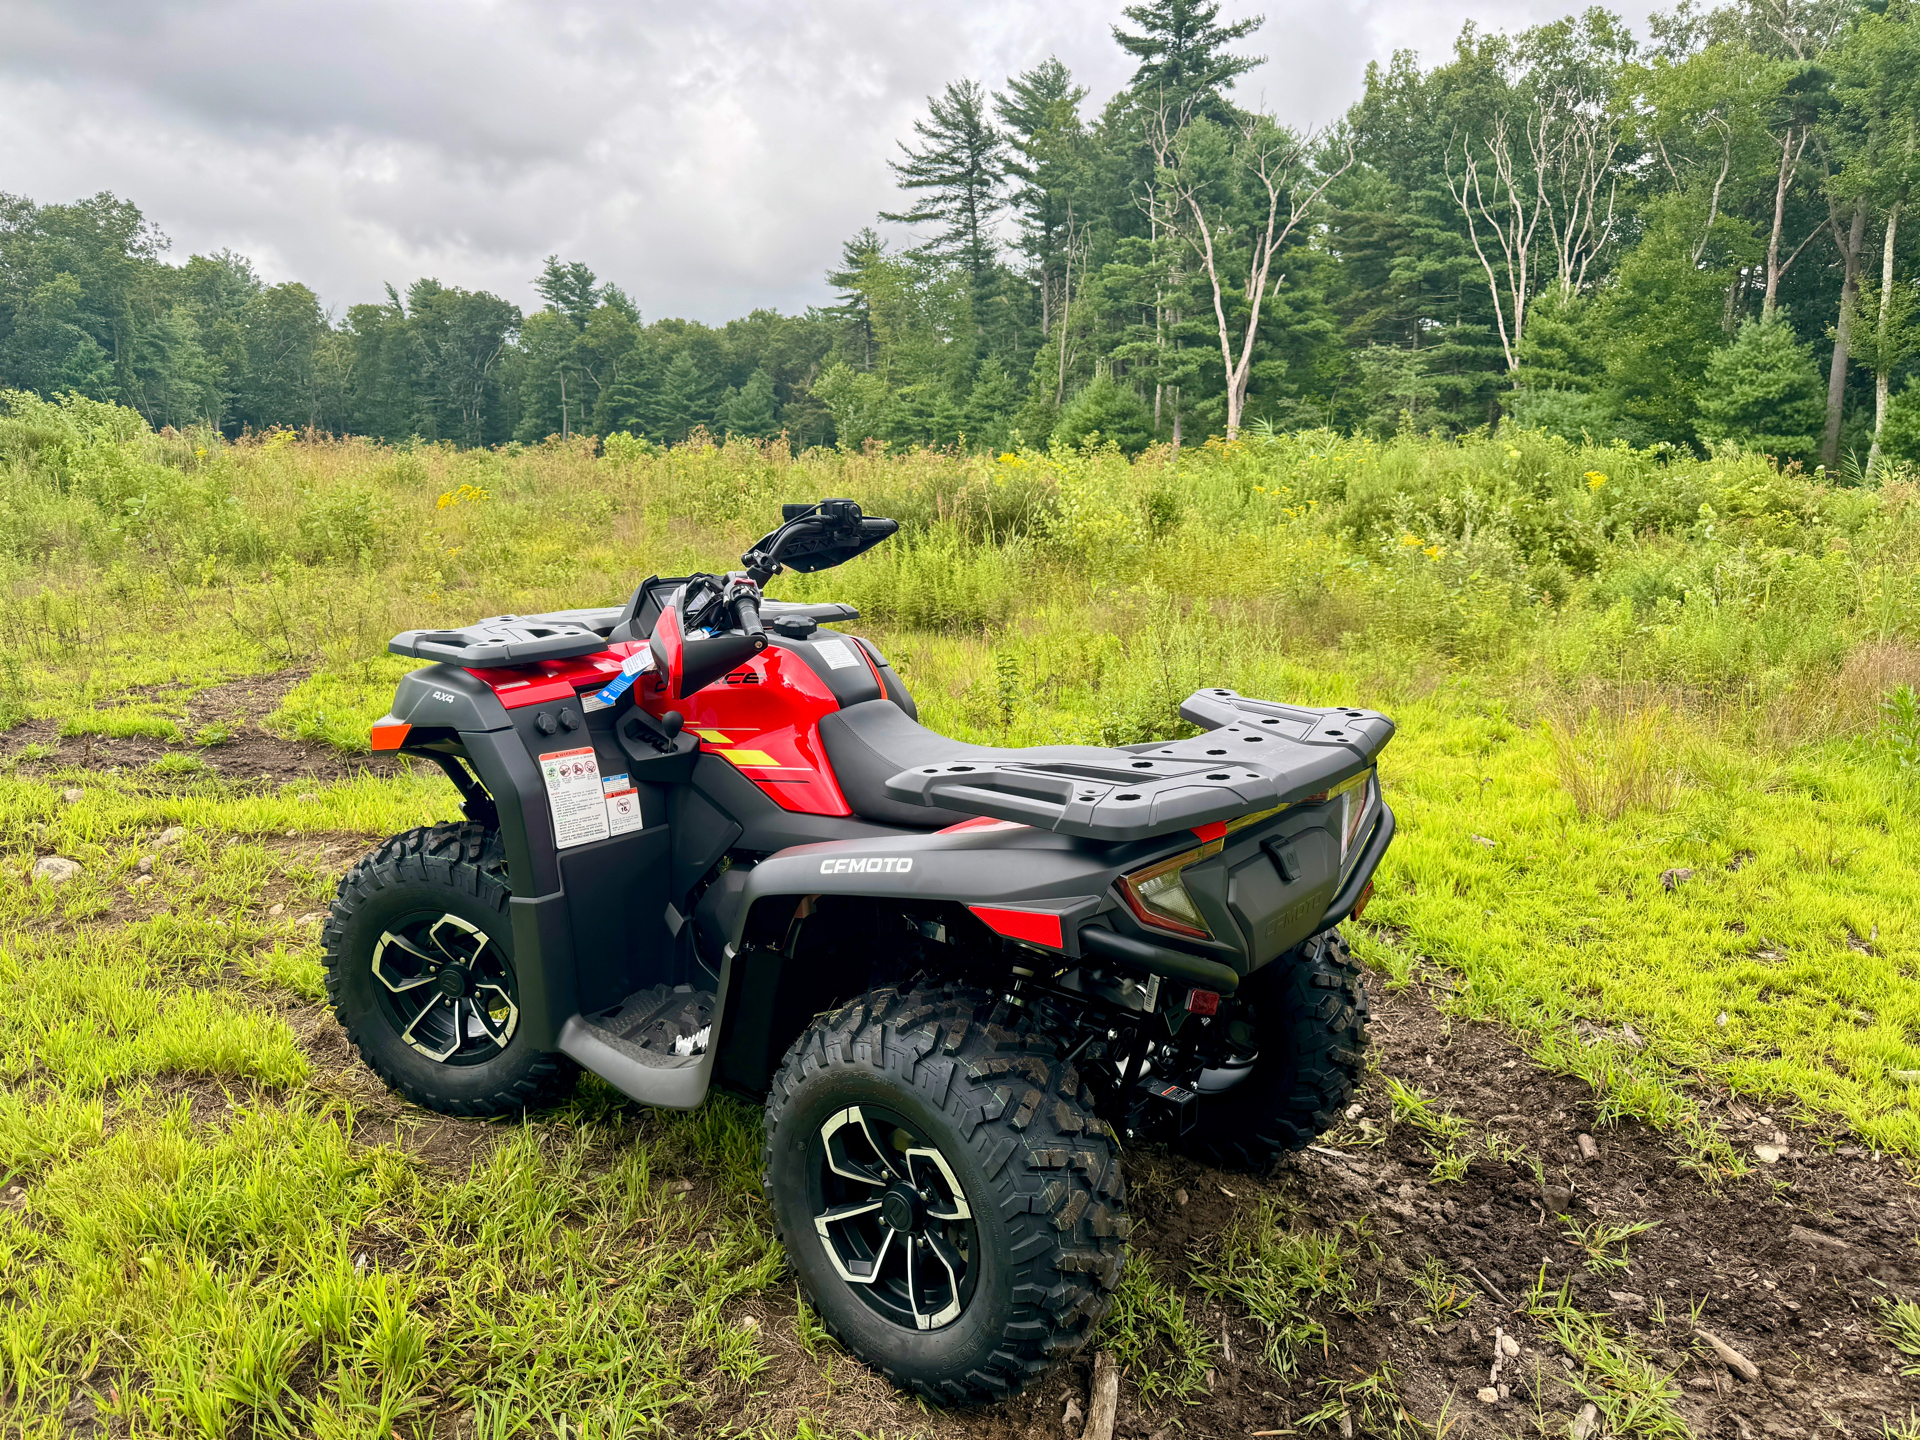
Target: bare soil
{"points": [[1789, 1260], [253, 754], [1785, 1266]]}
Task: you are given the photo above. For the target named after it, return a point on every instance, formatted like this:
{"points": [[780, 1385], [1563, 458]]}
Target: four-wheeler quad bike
{"points": [[707, 843]]}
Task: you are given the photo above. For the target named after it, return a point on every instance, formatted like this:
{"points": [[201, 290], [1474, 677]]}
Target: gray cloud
{"points": [[710, 157]]}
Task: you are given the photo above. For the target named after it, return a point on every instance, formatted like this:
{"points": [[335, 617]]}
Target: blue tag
{"points": [[614, 689]]}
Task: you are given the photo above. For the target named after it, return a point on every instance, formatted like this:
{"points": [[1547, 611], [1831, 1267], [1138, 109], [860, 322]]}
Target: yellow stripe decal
{"points": [[754, 758], [718, 738]]}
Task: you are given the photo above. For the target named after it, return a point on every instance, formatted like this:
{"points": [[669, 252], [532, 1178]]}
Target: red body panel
{"points": [[550, 680], [765, 720], [1043, 928]]}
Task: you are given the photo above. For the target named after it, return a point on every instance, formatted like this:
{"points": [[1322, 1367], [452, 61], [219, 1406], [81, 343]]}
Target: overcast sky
{"points": [[708, 155]]}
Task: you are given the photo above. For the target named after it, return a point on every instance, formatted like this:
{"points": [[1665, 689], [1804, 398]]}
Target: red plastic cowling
{"points": [[550, 680], [1212, 831], [1040, 928]]}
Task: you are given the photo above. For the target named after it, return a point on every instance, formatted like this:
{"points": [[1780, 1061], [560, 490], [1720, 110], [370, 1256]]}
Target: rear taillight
{"points": [[1356, 796], [1157, 898]]}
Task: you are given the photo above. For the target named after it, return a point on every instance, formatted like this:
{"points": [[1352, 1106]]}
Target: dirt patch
{"points": [[1785, 1265], [252, 754]]}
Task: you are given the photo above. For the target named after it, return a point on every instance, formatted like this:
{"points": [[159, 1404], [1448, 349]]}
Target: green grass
{"points": [[1699, 666]]}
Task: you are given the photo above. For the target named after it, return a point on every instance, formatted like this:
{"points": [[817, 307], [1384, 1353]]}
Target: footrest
{"points": [[664, 1026]]}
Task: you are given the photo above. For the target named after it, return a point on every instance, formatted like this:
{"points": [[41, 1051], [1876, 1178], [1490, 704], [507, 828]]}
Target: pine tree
{"points": [[750, 410], [958, 172], [1106, 410], [1763, 392], [1183, 56], [1041, 110], [990, 406], [683, 399]]}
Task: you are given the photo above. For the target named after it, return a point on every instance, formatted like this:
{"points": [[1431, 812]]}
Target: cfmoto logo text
{"points": [[844, 865]]}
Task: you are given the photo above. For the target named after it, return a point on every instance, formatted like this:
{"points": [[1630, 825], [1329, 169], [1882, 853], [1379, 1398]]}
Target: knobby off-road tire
{"points": [[1310, 1026], [454, 870], [1015, 1127]]}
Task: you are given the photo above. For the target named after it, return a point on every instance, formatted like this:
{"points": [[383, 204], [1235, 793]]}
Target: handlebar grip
{"points": [[747, 612]]}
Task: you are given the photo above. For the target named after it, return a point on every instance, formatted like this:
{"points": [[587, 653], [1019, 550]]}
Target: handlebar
{"points": [[747, 614]]}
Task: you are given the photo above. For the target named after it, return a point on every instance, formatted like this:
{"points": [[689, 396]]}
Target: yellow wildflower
{"points": [[1433, 552], [1595, 480], [1412, 542]]}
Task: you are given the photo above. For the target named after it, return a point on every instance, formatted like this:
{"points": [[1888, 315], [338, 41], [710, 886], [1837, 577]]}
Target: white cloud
{"points": [[710, 157]]}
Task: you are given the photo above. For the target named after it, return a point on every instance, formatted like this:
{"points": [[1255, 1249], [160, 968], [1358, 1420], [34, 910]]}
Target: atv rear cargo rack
{"points": [[507, 640], [1255, 755]]}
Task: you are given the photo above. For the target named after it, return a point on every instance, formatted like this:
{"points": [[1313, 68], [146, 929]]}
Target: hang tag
{"points": [[630, 668]]}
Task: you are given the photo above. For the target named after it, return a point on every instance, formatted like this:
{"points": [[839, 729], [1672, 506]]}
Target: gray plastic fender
{"points": [[1001, 866], [446, 695]]}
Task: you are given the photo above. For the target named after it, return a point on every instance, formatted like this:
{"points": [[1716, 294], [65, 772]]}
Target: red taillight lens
{"points": [[1157, 898], [1356, 796]]}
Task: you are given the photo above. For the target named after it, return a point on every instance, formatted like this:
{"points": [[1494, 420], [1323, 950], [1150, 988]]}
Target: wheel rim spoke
{"points": [[897, 1198], [461, 1007], [954, 1207], [426, 1010]]}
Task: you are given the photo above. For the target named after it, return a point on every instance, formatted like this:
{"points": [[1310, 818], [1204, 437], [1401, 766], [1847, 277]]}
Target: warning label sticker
{"points": [[836, 653], [623, 804], [574, 796]]}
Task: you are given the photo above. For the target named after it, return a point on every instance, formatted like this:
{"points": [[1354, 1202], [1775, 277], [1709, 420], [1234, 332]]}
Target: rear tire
{"points": [[428, 901], [1040, 1245], [1310, 1026]]}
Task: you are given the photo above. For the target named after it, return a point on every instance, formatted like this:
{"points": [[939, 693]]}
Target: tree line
{"points": [[1699, 236]]}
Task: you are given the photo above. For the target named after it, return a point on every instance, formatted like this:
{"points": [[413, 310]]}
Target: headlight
{"points": [[1157, 898]]}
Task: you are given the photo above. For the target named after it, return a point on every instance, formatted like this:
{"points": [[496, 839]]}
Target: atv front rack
{"points": [[1255, 755]]}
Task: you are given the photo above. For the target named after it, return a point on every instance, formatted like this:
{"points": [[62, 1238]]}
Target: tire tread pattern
{"points": [[1319, 997], [467, 858], [1054, 1167]]}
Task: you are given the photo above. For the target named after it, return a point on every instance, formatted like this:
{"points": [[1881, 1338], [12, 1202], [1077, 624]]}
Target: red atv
{"points": [[708, 844]]}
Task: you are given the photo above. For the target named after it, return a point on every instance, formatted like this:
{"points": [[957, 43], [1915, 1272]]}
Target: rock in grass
{"points": [[1589, 1150], [1587, 1423], [72, 794], [1674, 879], [172, 835], [57, 869], [145, 865], [1767, 1154], [1487, 1395]]}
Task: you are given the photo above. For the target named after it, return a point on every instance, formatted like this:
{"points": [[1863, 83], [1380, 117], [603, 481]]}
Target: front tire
{"points": [[1309, 1032], [954, 1210], [420, 971]]}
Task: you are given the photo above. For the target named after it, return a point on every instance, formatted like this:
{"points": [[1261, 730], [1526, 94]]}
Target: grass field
{"points": [[1656, 773]]}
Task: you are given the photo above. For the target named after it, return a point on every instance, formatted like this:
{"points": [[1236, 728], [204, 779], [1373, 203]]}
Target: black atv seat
{"points": [[875, 740]]}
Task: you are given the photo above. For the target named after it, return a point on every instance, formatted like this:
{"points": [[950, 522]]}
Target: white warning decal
{"points": [[623, 804], [574, 796], [837, 653]]}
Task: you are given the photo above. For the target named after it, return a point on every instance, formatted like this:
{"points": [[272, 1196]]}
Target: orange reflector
{"points": [[1367, 894], [390, 735], [1212, 831]]}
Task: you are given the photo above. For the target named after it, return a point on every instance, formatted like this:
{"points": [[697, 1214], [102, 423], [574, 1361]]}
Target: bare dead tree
{"points": [[1572, 146], [1277, 160]]}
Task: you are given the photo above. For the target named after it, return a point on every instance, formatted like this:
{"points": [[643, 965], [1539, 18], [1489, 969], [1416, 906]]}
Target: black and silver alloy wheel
{"points": [[420, 970], [448, 989], [893, 1218]]}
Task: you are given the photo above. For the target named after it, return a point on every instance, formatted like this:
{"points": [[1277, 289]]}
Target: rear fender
{"points": [[999, 867]]}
